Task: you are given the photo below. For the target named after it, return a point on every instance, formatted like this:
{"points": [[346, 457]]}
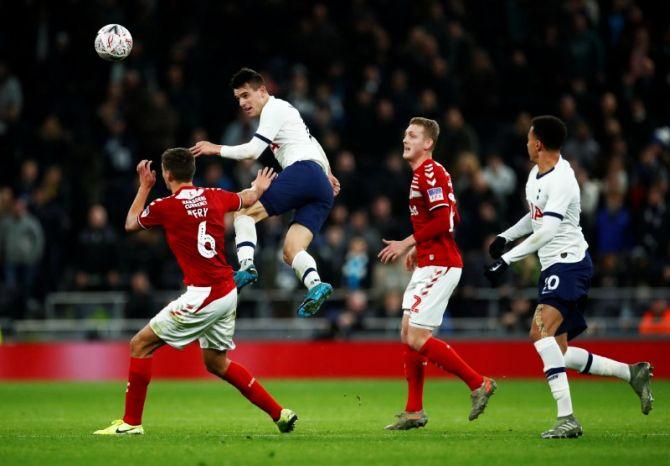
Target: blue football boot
{"points": [[244, 277], [314, 299]]}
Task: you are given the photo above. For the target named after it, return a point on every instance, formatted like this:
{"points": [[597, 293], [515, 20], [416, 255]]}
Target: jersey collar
{"points": [[423, 164], [188, 186], [560, 159]]}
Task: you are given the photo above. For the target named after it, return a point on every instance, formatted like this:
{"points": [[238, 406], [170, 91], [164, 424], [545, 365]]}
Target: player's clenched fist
{"points": [[147, 175], [205, 148]]}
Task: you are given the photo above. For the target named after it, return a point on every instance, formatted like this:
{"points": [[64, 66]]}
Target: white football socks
{"points": [[245, 240], [554, 370], [304, 266], [588, 363]]}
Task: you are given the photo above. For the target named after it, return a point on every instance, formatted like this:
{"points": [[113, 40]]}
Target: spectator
{"points": [[298, 94], [499, 177], [478, 208], [613, 225], [567, 111], [51, 212], [352, 186], [331, 255], [214, 177], [458, 137], [516, 319], [21, 246], [355, 270], [482, 95], [359, 226], [140, 304], [11, 98], [97, 254], [27, 181], [656, 320], [391, 305], [653, 231], [383, 219], [582, 148], [347, 321], [583, 51]]}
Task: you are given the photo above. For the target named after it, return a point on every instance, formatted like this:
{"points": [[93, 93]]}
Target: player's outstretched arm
{"points": [[547, 231], [395, 249], [535, 241], [521, 228], [258, 187], [147, 180], [251, 150]]}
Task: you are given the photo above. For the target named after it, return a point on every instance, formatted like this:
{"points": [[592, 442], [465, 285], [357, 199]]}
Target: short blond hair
{"points": [[430, 128]]}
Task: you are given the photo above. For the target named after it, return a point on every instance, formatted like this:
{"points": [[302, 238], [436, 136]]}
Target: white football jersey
{"points": [[282, 127], [556, 193]]}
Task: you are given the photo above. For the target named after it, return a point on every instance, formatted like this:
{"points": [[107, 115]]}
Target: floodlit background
{"points": [[73, 127]]}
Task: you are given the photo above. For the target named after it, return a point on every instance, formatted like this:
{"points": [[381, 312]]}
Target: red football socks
{"points": [[139, 376], [414, 365], [241, 379], [441, 354]]}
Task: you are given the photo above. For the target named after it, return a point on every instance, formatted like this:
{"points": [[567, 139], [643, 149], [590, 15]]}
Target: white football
{"points": [[113, 42]]}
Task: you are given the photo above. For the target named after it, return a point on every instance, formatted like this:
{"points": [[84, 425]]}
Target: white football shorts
{"points": [[427, 295], [197, 314]]}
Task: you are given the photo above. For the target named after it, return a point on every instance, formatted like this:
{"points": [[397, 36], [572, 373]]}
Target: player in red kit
{"points": [[193, 220], [434, 256]]}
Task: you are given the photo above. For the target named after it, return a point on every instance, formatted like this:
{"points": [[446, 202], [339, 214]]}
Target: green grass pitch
{"points": [[341, 422]]}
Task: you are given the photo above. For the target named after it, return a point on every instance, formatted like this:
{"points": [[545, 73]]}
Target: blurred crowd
{"points": [[73, 127]]}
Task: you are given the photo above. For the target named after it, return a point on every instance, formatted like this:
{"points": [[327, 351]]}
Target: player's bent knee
{"points": [[217, 363], [416, 340], [286, 255], [289, 252], [212, 367], [132, 345], [137, 347]]}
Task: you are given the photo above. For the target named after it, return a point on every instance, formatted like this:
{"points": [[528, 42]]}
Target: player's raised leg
{"points": [[245, 241], [638, 375], [239, 377], [546, 321], [297, 240], [142, 347]]}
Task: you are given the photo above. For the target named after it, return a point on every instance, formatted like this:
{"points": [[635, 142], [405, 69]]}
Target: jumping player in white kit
{"points": [[434, 256], [553, 199], [306, 185]]}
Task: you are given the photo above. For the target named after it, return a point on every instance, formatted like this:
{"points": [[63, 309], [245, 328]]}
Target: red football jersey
{"points": [[431, 190], [193, 220]]}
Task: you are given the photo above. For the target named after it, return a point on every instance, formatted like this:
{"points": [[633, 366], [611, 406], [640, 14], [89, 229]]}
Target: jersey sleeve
{"points": [[560, 193], [272, 119], [230, 202], [436, 188], [153, 215]]}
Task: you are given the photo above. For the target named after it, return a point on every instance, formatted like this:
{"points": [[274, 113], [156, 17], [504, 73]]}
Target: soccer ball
{"points": [[113, 42]]}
